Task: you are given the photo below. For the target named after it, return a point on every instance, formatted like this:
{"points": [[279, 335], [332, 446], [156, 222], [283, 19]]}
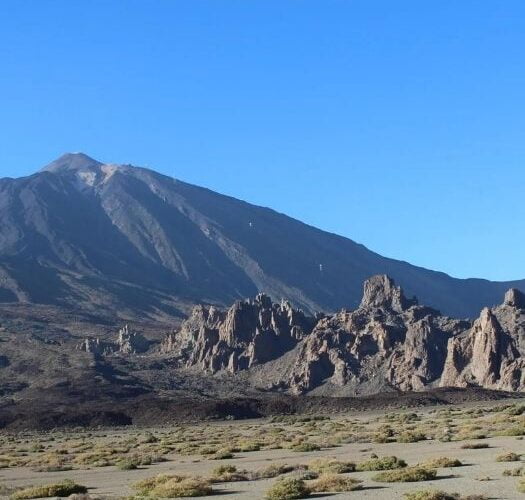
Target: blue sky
{"points": [[398, 124]]}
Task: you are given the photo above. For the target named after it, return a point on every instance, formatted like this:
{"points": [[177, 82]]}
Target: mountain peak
{"points": [[72, 162]]}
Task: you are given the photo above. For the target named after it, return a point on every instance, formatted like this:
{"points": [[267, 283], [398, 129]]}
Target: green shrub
{"points": [[411, 437], [474, 446], [222, 455], [383, 463], [62, 489], [508, 457], [407, 475], [326, 465], [273, 470], [287, 489], [333, 483], [227, 474], [436, 463], [305, 446], [127, 465], [166, 486], [518, 471], [430, 495], [440, 495]]}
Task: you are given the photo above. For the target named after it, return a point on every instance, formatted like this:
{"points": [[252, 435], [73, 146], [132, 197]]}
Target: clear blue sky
{"points": [[400, 124]]}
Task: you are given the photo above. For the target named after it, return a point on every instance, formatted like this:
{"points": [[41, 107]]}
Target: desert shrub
{"points": [[516, 410], [227, 474], [166, 486], [222, 455], [287, 488], [148, 438], [474, 446], [430, 495], [518, 471], [249, 446], [334, 483], [440, 495], [53, 468], [273, 470], [411, 437], [305, 446], [508, 457], [513, 431], [127, 464], [381, 463], [407, 475], [62, 489], [521, 486], [435, 463], [325, 465]]}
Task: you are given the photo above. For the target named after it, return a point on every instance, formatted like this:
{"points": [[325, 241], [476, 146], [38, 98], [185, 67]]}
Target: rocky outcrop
{"points": [[251, 332], [131, 342], [491, 353], [127, 342], [388, 341], [96, 346]]}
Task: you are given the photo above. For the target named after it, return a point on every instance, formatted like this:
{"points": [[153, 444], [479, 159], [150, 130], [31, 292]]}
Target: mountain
{"points": [[131, 242]]}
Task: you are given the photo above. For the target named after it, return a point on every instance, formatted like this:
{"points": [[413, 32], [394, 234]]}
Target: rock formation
{"points": [[490, 354], [249, 333], [128, 342], [131, 342], [388, 341]]}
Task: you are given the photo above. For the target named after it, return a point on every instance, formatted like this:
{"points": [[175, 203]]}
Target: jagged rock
{"points": [[169, 343], [388, 341], [95, 346], [490, 354], [130, 342], [249, 333], [515, 298], [381, 292]]}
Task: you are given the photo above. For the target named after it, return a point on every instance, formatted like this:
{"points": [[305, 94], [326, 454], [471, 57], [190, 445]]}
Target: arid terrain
{"points": [[188, 344], [473, 450]]}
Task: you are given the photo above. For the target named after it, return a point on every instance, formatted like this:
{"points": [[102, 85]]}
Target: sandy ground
{"points": [[481, 474]]}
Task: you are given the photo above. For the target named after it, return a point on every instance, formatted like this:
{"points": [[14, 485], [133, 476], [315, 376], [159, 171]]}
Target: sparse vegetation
{"points": [[474, 446], [288, 489], [172, 486], [331, 465], [508, 457], [332, 483], [406, 475], [63, 489], [384, 463], [306, 447], [442, 462]]}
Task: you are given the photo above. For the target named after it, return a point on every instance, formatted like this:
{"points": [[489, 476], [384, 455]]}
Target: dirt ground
{"points": [[480, 473]]}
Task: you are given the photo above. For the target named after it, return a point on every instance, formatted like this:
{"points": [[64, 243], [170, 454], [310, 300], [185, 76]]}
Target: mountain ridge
{"points": [[157, 245]]}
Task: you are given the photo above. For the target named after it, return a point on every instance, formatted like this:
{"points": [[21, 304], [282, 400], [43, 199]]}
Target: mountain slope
{"points": [[131, 241]]}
